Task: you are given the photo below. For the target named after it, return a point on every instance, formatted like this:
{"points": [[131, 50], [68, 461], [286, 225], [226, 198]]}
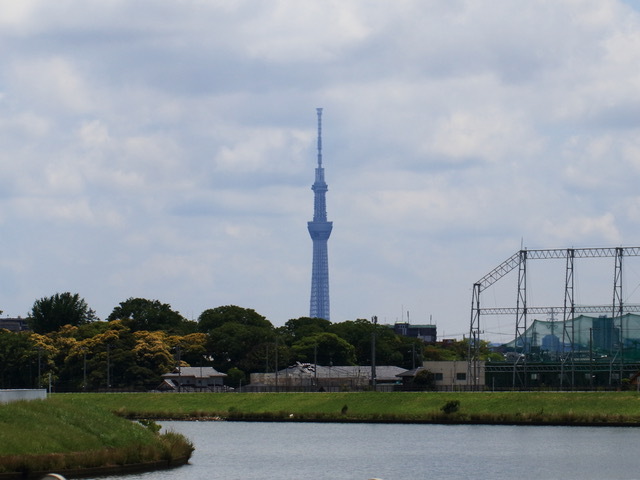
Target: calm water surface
{"points": [[276, 451]]}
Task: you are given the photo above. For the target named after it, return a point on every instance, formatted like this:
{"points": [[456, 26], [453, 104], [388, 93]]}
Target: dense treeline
{"points": [[70, 349]]}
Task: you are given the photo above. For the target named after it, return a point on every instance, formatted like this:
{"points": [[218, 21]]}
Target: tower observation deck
{"points": [[319, 230]]}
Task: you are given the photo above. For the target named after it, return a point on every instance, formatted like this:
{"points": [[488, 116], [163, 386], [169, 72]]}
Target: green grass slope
{"points": [[561, 408], [57, 435]]}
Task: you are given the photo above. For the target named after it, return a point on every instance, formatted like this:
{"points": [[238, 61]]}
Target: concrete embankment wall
{"points": [[7, 396]]}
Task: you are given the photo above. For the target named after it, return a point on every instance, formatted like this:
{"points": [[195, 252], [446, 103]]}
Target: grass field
{"points": [[505, 407], [70, 431], [55, 434]]}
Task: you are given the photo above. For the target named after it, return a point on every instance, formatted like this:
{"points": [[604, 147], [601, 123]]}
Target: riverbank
{"points": [[78, 439], [517, 408]]}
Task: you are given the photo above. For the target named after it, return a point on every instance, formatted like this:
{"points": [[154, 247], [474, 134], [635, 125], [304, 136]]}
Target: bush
{"points": [[452, 406], [424, 379], [150, 424]]}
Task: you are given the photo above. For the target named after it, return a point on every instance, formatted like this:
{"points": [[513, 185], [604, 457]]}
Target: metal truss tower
{"points": [[320, 230], [569, 309]]}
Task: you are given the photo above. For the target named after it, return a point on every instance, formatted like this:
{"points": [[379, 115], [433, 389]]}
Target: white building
{"points": [[193, 379], [453, 375]]}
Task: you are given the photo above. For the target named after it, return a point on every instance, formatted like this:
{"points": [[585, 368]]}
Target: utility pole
{"points": [[84, 370], [39, 367], [315, 365], [413, 356], [374, 321], [276, 364], [179, 352], [108, 367]]}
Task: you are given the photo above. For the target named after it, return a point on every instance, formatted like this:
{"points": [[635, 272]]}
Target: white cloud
{"points": [[13, 14], [52, 82], [602, 228], [262, 150], [311, 32], [94, 134]]}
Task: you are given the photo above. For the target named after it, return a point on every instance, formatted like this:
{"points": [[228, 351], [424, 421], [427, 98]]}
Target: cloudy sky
{"points": [[166, 150]]}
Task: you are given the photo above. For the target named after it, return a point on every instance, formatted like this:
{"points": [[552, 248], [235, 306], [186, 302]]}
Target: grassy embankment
{"points": [[535, 408], [57, 435]]}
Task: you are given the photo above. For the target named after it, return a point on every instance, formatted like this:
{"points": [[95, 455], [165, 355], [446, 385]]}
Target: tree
{"points": [[113, 360], [412, 352], [439, 353], [193, 348], [326, 348], [357, 333], [458, 350], [235, 378], [236, 337], [142, 314], [153, 353], [50, 313], [423, 379], [298, 328], [232, 344], [19, 360], [268, 356], [217, 317]]}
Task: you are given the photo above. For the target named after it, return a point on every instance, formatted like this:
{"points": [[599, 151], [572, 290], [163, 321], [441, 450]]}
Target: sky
{"points": [[166, 150]]}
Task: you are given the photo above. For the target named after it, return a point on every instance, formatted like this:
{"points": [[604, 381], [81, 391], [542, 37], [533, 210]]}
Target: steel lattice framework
{"points": [[319, 230], [569, 309]]}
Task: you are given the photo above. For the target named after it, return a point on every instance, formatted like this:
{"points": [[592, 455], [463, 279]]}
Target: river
{"points": [[279, 451]]}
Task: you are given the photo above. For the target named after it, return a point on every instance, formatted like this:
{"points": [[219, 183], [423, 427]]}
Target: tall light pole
{"points": [[374, 320], [108, 367], [315, 365], [84, 370], [39, 367], [179, 352], [276, 354]]}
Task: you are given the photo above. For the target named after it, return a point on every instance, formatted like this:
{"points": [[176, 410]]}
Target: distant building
{"points": [[426, 333], [453, 375], [318, 377], [14, 324], [22, 394], [445, 376], [190, 379]]}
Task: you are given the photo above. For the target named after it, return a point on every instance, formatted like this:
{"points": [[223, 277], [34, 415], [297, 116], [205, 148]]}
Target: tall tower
{"points": [[320, 230]]}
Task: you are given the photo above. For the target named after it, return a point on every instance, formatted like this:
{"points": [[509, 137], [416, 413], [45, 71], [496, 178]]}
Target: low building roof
{"points": [[14, 324], [383, 372], [196, 372], [410, 373]]}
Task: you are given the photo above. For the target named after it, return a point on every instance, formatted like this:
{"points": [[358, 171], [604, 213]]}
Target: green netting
{"points": [[595, 336]]}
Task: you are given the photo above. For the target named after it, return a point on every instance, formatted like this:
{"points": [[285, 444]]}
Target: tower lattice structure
{"points": [[320, 230]]}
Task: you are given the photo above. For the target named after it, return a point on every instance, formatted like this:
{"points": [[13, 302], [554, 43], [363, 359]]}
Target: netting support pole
{"points": [[618, 308], [568, 317], [521, 319], [473, 365]]}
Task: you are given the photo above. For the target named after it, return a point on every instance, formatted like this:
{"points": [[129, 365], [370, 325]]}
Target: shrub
{"points": [[452, 406], [150, 424]]}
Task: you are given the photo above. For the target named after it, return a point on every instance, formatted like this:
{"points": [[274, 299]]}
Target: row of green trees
{"points": [[69, 347]]}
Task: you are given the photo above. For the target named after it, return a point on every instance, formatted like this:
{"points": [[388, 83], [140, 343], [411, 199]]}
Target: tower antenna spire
{"points": [[319, 111], [320, 230]]}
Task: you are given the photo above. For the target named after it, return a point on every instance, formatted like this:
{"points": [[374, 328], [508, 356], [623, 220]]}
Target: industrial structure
{"points": [[319, 230], [193, 379], [574, 351], [311, 378], [427, 333]]}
